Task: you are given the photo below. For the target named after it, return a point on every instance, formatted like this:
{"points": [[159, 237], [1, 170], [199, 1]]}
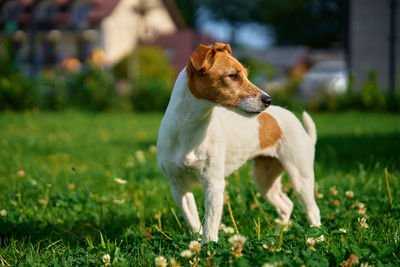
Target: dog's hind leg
{"points": [[267, 177], [184, 198]]}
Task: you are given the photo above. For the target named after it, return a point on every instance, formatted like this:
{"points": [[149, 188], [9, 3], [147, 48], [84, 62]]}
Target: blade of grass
{"points": [[388, 188], [228, 203], [176, 218]]}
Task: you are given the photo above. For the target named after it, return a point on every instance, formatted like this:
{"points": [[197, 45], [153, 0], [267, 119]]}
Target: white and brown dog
{"points": [[214, 123]]}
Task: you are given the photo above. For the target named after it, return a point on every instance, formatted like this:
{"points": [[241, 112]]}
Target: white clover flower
{"points": [[343, 230], [152, 149], [349, 194], [195, 246], [222, 227], [359, 205], [310, 241], [320, 239], [21, 173], [362, 211], [140, 156], [363, 223], [106, 260], [120, 181], [3, 213], [186, 254], [229, 230], [161, 261], [119, 201], [174, 263], [237, 240], [282, 224]]}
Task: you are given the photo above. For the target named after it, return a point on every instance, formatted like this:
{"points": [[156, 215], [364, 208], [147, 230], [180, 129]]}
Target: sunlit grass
{"points": [[75, 188]]}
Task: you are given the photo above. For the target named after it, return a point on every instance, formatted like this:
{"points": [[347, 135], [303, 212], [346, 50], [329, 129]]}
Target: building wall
{"points": [[121, 30], [369, 39]]}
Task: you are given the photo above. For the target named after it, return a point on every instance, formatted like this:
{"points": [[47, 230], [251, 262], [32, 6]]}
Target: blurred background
{"points": [[322, 55]]}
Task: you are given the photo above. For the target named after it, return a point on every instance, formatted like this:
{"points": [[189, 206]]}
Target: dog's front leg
{"points": [[214, 199]]}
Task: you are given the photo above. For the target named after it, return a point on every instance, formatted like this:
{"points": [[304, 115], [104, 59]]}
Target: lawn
{"points": [[75, 187]]}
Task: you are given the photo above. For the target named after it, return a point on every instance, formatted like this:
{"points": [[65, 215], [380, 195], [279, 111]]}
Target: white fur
{"points": [[252, 104], [201, 142]]}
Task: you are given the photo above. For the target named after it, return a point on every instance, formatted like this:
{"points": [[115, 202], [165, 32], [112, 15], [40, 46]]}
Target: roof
{"points": [[286, 56], [174, 13], [101, 9], [181, 45]]}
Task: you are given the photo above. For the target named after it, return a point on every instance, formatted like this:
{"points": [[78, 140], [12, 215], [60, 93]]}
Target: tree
{"points": [[316, 23], [234, 12], [188, 10]]}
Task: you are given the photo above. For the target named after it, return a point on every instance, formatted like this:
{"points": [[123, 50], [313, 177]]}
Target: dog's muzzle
{"points": [[255, 105]]}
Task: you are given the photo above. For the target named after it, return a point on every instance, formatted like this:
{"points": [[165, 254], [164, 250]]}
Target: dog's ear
{"points": [[223, 47], [202, 58]]}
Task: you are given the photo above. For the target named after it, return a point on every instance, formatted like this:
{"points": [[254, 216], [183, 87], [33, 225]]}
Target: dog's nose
{"points": [[266, 99]]}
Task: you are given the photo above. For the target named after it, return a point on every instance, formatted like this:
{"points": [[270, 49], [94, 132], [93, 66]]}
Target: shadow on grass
{"points": [[73, 233], [347, 152]]}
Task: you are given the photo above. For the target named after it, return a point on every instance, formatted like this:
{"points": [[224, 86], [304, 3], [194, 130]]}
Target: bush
{"points": [[91, 88], [16, 91], [151, 75], [52, 89], [371, 95]]}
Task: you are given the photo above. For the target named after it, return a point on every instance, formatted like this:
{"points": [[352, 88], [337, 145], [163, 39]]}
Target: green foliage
{"points": [[68, 207], [152, 77], [287, 96], [52, 89], [16, 91], [315, 23], [188, 9], [257, 67], [91, 88], [372, 97]]}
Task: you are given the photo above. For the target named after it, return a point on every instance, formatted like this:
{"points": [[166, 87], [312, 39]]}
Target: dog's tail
{"points": [[310, 127]]}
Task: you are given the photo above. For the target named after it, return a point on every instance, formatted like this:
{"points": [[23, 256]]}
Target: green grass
{"points": [[67, 209]]}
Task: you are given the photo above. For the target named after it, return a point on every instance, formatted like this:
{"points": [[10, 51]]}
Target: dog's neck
{"points": [[188, 110]]}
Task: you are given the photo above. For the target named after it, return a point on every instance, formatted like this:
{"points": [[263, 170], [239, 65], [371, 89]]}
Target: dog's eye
{"points": [[234, 76]]}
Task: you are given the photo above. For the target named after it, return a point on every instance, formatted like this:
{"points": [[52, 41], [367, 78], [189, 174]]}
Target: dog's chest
{"points": [[195, 160]]}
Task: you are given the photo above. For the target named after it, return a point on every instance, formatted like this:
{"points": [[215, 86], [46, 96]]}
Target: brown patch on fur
{"points": [[269, 131], [208, 76]]}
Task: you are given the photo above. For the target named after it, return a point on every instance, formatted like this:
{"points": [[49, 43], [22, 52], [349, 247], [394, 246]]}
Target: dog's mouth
{"points": [[253, 112], [247, 113]]}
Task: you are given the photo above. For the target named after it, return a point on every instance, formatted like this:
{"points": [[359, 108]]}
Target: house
{"points": [[180, 45], [44, 32], [373, 41]]}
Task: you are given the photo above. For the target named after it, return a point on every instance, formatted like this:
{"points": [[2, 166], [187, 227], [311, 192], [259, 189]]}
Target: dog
{"points": [[215, 121]]}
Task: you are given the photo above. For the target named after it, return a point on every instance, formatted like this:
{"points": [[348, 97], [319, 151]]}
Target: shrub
{"points": [[52, 89], [151, 75], [372, 96], [91, 88], [16, 91]]}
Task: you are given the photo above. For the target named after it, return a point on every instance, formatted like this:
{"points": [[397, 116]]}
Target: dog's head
{"points": [[216, 76]]}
